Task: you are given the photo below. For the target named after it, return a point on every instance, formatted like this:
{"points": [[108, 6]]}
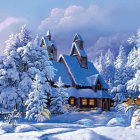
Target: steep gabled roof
{"points": [[61, 71], [81, 52], [47, 42], [77, 37], [92, 80], [78, 73]]}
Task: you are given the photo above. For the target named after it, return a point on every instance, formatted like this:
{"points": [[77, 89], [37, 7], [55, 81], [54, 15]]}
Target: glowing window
{"points": [[105, 100], [84, 101], [91, 102], [112, 103], [72, 101]]}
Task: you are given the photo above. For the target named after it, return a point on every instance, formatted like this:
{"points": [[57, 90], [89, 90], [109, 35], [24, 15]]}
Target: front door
{"points": [[105, 106]]}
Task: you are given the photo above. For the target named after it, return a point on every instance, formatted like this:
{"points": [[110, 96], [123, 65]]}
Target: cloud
{"points": [[75, 17], [9, 21], [105, 42]]}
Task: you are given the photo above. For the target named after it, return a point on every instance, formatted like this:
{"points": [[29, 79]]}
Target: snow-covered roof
{"points": [[92, 80], [47, 42], [82, 76], [77, 37], [88, 93], [81, 52], [61, 71]]}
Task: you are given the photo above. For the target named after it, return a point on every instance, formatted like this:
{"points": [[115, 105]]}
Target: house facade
{"points": [[86, 88]]}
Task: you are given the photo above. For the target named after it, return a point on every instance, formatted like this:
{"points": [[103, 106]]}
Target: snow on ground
{"points": [[89, 125]]}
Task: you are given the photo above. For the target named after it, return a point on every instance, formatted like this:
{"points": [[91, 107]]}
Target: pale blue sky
{"points": [[96, 18]]}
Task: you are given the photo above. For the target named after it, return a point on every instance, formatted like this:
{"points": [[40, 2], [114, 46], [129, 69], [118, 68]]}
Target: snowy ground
{"points": [[90, 125]]}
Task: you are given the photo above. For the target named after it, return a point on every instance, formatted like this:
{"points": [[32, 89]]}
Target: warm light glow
{"points": [[72, 101], [84, 101], [112, 103], [105, 100], [91, 102], [137, 102]]}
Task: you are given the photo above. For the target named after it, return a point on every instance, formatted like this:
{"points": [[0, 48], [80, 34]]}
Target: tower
{"points": [[78, 51], [49, 44]]}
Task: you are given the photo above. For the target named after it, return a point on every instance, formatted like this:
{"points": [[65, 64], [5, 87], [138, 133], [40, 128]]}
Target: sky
{"points": [[102, 24]]}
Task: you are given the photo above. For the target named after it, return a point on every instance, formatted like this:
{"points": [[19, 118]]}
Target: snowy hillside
{"points": [[91, 125]]}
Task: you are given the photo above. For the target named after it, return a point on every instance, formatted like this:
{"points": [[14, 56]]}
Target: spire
{"points": [[48, 35], [77, 37], [79, 40]]}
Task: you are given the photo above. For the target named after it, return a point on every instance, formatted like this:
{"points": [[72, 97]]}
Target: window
{"points": [[105, 100], [72, 101], [84, 101], [91, 102]]}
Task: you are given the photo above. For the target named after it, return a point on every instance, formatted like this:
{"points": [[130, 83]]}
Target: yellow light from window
{"points": [[84, 101], [105, 100], [112, 103], [91, 102], [72, 101]]}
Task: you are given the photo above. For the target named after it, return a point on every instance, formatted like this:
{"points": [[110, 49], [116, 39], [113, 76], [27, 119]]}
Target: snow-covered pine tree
{"points": [[120, 63], [109, 70], [101, 64], [9, 74], [11, 71], [24, 35], [105, 66], [59, 99], [133, 85], [35, 61], [37, 101]]}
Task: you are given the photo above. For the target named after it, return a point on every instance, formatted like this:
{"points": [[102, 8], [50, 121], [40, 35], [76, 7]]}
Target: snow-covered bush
{"points": [[135, 118], [59, 100], [37, 101]]}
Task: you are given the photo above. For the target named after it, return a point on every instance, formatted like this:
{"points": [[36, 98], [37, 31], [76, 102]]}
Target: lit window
{"points": [[112, 104], [105, 100], [91, 102], [72, 101], [84, 101]]}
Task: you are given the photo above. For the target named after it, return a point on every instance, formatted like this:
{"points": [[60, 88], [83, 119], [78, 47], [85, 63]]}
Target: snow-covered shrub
{"points": [[13, 117], [59, 100], [37, 101], [135, 118]]}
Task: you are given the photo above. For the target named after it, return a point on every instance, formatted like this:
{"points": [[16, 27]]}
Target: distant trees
{"points": [[123, 71], [105, 66]]}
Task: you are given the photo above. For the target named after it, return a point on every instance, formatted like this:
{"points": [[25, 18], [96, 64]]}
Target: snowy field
{"points": [[91, 125]]}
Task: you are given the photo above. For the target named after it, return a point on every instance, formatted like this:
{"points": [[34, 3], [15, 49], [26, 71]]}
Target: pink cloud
{"points": [[9, 21]]}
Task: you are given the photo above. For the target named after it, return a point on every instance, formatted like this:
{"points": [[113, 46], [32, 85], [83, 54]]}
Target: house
{"points": [[86, 88]]}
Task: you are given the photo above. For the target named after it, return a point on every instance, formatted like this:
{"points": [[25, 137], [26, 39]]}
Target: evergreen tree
{"points": [[60, 97], [24, 35], [109, 70], [35, 61], [105, 66], [37, 101], [9, 74], [120, 66]]}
